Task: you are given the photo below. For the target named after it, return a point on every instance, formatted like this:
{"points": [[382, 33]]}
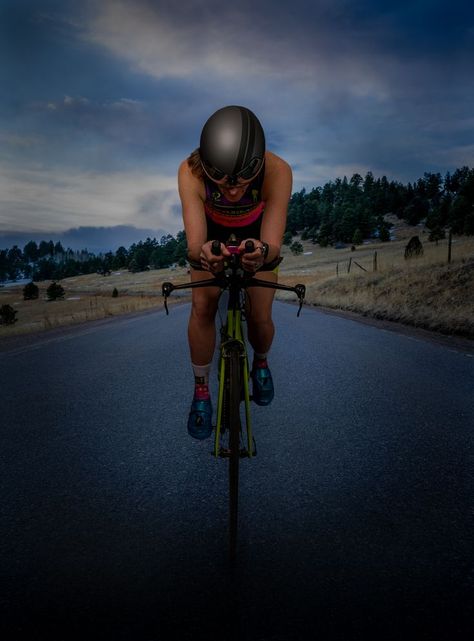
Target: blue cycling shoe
{"points": [[200, 416], [262, 388]]}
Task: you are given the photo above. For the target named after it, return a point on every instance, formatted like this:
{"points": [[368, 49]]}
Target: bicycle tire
{"points": [[234, 425]]}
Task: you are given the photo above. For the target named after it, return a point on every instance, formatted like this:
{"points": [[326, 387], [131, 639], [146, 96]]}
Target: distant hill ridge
{"points": [[96, 240]]}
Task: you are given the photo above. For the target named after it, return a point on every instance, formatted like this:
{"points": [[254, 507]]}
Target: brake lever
{"points": [[300, 291], [166, 290]]}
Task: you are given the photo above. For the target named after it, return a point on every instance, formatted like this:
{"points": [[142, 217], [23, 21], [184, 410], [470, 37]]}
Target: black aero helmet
{"points": [[232, 144]]}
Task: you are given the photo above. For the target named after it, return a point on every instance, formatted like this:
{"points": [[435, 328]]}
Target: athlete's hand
{"points": [[251, 261], [209, 261]]}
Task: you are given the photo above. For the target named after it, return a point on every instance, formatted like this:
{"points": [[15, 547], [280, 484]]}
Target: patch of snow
{"points": [[12, 283], [307, 253], [74, 298]]}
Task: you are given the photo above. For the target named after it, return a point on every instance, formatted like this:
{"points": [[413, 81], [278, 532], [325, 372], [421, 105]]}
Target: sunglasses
{"points": [[248, 172]]}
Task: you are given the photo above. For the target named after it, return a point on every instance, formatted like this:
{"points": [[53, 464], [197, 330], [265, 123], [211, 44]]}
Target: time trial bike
{"points": [[230, 440]]}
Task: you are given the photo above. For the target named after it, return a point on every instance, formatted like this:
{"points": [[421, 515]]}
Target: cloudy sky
{"points": [[101, 99]]}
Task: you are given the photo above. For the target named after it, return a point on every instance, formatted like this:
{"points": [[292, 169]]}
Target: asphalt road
{"points": [[356, 515]]}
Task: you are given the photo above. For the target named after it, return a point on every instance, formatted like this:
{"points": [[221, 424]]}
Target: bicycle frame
{"points": [[235, 280], [232, 336]]}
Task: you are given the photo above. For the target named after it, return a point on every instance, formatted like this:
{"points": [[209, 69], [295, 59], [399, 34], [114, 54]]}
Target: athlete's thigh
{"points": [[204, 299], [260, 299]]}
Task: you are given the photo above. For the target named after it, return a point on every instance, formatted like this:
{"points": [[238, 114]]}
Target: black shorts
{"points": [[221, 233], [267, 267]]}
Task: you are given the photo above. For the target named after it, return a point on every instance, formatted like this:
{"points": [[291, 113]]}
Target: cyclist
{"points": [[232, 185]]}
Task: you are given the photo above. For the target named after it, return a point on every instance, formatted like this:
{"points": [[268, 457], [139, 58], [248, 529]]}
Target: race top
{"points": [[242, 213]]}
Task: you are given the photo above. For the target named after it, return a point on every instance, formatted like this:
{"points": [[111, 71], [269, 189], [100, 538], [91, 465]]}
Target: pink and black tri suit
{"points": [[242, 218]]}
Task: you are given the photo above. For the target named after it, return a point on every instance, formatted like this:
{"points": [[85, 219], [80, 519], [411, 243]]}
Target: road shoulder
{"points": [[457, 343]]}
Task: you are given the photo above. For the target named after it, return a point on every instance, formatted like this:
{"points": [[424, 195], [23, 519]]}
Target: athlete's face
{"points": [[233, 192]]}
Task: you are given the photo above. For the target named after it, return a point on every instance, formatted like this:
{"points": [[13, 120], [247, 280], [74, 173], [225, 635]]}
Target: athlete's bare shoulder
{"points": [[275, 165], [278, 177], [189, 183]]}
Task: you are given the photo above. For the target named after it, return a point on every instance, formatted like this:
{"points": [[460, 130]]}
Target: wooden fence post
{"points": [[337, 269], [349, 266], [375, 260], [450, 242]]}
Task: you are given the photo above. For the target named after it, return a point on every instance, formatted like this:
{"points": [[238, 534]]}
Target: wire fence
{"points": [[374, 266]]}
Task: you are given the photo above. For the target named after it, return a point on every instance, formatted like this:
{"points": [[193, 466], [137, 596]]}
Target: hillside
{"points": [[424, 292]]}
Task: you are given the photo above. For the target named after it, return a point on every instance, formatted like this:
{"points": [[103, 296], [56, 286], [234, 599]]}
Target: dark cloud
{"points": [[126, 86]]}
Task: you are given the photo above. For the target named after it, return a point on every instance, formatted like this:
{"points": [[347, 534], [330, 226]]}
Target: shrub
{"points": [[30, 291], [55, 292], [414, 248], [296, 248], [7, 315], [115, 293]]}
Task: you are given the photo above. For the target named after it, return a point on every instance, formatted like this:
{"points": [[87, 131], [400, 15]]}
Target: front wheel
{"points": [[234, 396]]}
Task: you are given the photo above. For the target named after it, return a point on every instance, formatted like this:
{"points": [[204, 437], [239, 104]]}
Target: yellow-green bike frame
{"points": [[232, 331]]}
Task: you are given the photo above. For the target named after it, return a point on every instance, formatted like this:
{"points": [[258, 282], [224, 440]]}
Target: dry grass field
{"points": [[88, 298], [424, 292]]}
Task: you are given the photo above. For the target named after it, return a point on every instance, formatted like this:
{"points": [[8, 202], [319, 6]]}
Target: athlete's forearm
{"points": [[274, 250]]}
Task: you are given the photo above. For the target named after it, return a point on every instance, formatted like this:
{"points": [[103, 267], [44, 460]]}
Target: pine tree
{"points": [[436, 234], [357, 237], [30, 291], [55, 291]]}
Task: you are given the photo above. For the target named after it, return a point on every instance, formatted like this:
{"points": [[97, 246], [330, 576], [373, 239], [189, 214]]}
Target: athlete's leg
{"points": [[202, 340], [201, 328], [259, 314], [261, 331]]}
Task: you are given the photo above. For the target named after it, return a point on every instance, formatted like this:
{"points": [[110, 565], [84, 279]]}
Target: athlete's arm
{"points": [[277, 192], [194, 218]]}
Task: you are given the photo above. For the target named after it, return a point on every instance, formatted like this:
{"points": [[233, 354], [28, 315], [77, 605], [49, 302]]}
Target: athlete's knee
{"points": [[203, 310], [261, 324], [259, 314]]}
